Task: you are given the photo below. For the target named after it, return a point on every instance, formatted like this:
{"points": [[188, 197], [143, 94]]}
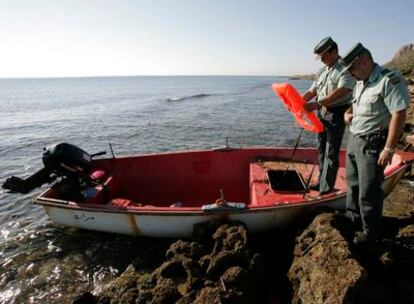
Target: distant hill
{"points": [[303, 77], [403, 60]]}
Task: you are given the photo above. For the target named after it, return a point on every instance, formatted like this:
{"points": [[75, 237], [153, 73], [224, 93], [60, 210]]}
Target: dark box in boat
{"points": [[286, 181]]}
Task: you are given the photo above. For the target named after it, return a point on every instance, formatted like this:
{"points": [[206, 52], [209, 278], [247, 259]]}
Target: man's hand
{"points": [[348, 117], [310, 106], [385, 158]]}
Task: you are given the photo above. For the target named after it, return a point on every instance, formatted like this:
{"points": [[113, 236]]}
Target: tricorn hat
{"points": [[353, 54], [323, 46]]}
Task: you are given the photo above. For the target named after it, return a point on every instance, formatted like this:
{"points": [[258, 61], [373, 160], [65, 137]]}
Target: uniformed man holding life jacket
{"points": [[376, 120], [333, 91]]}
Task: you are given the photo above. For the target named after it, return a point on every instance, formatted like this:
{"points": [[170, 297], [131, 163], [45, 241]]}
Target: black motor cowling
{"points": [[64, 160]]}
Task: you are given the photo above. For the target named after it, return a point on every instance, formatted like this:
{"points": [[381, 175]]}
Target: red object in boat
{"points": [[97, 175], [294, 103]]}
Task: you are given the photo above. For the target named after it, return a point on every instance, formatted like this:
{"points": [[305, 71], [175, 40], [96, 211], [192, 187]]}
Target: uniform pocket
{"points": [[319, 86], [371, 105]]}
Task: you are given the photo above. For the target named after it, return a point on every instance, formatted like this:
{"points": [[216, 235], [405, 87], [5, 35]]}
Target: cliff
{"points": [[403, 60]]}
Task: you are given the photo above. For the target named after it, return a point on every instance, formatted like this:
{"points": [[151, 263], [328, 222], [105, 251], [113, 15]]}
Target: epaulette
{"points": [[392, 75], [387, 72], [342, 69]]}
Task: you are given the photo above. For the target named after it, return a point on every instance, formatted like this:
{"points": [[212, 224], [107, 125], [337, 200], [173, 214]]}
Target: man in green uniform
{"points": [[376, 119], [333, 91]]}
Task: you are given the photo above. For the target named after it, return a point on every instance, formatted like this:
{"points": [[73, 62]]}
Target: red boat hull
{"points": [[142, 192]]}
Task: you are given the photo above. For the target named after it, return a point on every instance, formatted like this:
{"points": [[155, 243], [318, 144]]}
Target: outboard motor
{"points": [[66, 160], [63, 160]]}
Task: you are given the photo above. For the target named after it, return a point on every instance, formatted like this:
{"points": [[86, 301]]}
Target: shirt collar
{"points": [[374, 74], [336, 65]]}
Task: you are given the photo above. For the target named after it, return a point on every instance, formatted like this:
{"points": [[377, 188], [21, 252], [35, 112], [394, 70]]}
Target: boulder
{"points": [[324, 269]]}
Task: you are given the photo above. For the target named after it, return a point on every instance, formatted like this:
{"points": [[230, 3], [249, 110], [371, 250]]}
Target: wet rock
{"points": [[186, 299], [191, 250], [230, 238], [209, 295], [165, 292], [324, 269], [221, 261], [396, 253], [327, 268], [85, 298], [217, 269], [230, 249], [235, 278], [123, 289]]}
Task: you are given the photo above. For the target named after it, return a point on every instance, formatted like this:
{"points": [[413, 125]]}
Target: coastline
{"points": [[303, 77]]}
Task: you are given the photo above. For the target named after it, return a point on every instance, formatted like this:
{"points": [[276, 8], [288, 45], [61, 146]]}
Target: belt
{"points": [[338, 109], [382, 133]]}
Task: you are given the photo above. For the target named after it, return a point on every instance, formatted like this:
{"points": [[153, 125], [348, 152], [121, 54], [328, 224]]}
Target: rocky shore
{"points": [[327, 268]]}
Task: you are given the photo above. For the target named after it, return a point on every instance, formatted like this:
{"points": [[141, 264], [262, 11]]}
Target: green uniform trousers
{"points": [[364, 199], [329, 144]]}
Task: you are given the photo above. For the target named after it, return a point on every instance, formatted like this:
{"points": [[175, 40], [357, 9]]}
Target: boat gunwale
{"points": [[218, 149], [168, 211]]}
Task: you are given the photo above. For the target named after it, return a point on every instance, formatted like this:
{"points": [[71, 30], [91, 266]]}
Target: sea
{"points": [[41, 262]]}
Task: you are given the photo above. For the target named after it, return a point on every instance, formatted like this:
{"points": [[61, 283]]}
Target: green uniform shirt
{"points": [[331, 78], [376, 99]]}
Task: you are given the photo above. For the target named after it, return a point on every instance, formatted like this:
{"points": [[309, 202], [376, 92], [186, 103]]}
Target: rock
{"points": [[223, 260], [324, 269], [328, 269], [398, 206], [218, 269], [230, 238], [165, 291], [209, 295], [403, 60], [403, 52], [410, 139], [123, 289], [85, 298], [235, 278], [180, 248]]}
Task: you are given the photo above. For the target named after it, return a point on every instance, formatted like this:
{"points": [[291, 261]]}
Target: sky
{"points": [[69, 38]]}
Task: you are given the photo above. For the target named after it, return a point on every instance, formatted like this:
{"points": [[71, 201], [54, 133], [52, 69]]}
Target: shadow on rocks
{"points": [[218, 266], [328, 268]]}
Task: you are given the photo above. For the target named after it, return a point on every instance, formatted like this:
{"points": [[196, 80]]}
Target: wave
{"points": [[189, 97]]}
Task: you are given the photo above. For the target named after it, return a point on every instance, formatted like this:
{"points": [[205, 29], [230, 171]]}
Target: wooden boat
{"points": [[165, 195]]}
